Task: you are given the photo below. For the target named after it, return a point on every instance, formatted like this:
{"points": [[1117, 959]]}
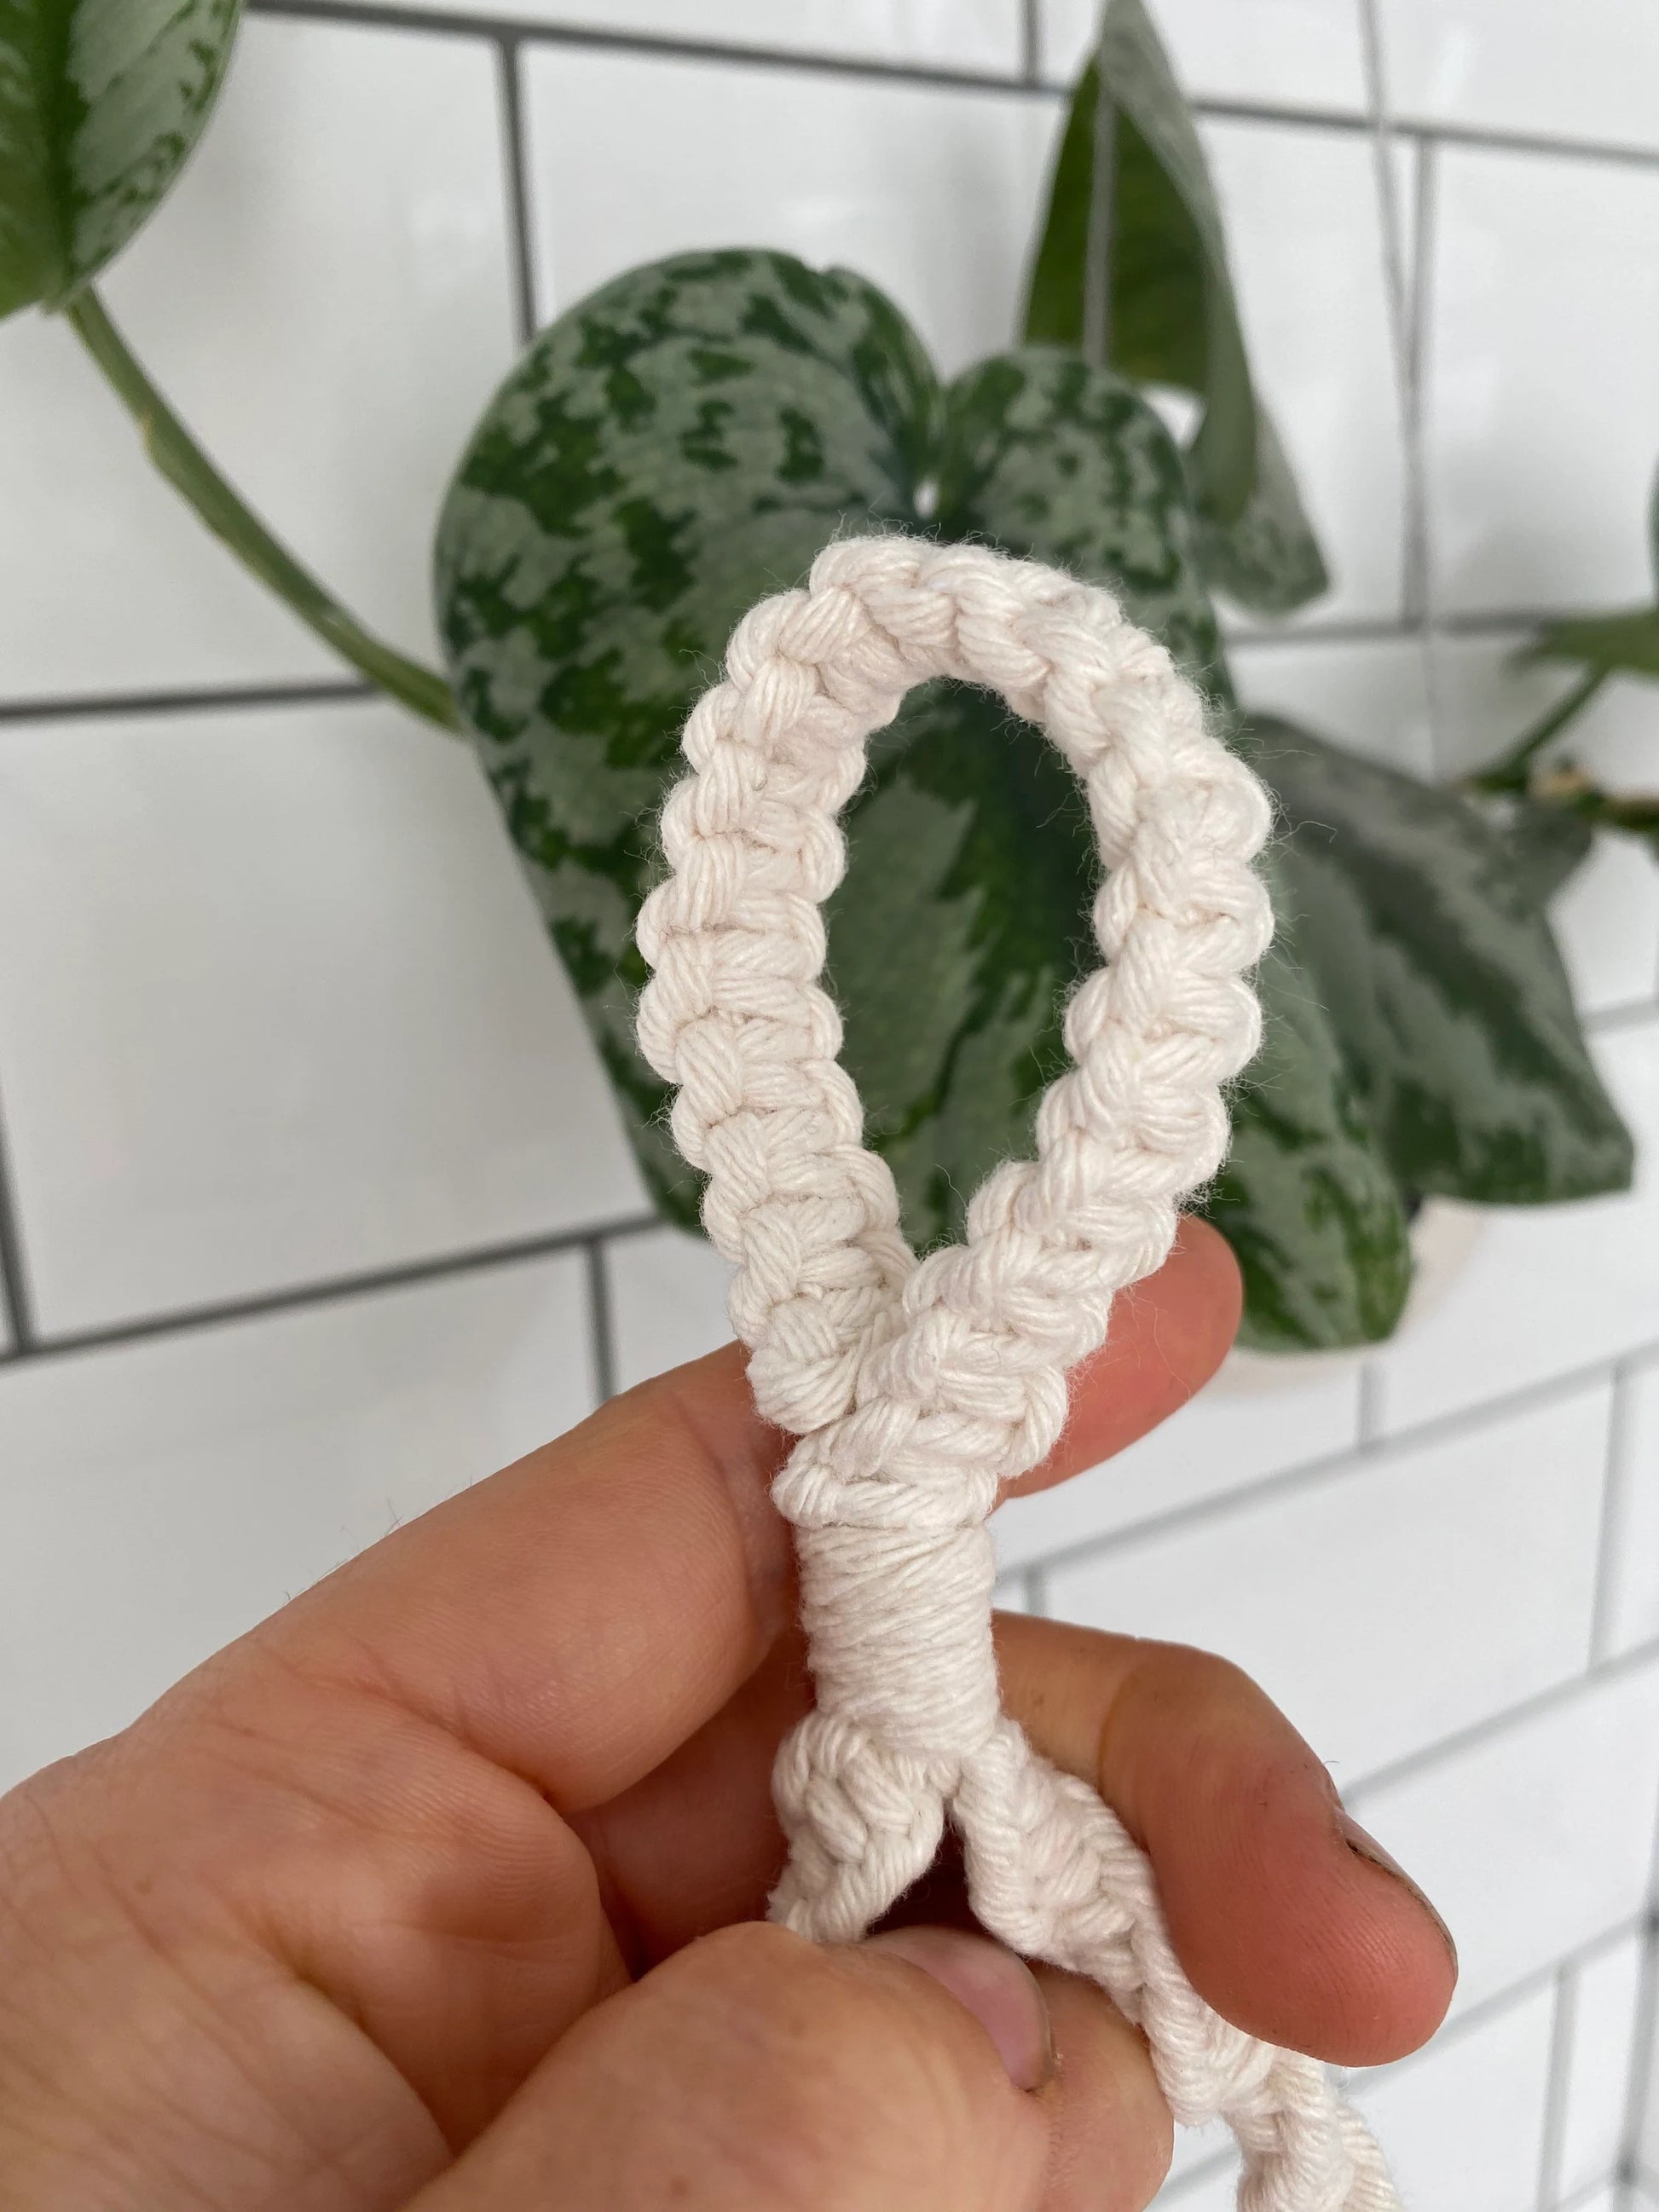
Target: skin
{"points": [[442, 1889]]}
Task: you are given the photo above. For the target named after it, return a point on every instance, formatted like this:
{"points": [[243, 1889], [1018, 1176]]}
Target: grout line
{"points": [[1030, 55], [1644, 2044], [1419, 579], [441, 23], [1634, 1014], [89, 706], [1588, 2192], [517, 184], [1480, 2015], [1286, 1481], [14, 1269], [1615, 1486], [390, 15], [1639, 1658], [1406, 289], [370, 1283], [1552, 2141], [1514, 622], [601, 1319], [1036, 1591], [1525, 1987]]}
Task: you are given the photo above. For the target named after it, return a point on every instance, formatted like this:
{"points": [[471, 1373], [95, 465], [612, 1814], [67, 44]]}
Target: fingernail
{"points": [[995, 1985], [1365, 1847]]}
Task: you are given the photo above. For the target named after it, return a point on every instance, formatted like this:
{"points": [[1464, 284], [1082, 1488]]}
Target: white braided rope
{"points": [[917, 1391]]}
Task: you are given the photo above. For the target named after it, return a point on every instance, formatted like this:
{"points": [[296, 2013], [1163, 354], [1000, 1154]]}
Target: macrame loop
{"points": [[917, 1391]]}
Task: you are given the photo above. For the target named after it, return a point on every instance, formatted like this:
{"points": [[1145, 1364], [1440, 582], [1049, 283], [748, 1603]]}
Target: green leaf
{"points": [[955, 939], [1547, 844], [1268, 559], [685, 442], [675, 446], [1628, 641], [1172, 319], [100, 103], [1305, 1197], [1045, 456], [1442, 980]]}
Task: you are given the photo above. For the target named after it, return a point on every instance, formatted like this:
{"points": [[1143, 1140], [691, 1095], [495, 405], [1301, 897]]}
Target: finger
{"points": [[1283, 1920], [578, 1616], [1279, 1922], [1168, 1335], [758, 2073], [1112, 2133]]}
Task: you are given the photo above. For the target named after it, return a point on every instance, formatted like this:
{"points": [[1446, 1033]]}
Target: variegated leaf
{"points": [[100, 103], [1170, 317], [686, 440], [678, 445], [1442, 980], [1546, 843], [1044, 455], [1305, 1197]]}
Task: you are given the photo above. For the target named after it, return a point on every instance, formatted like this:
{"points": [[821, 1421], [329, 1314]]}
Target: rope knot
{"points": [[918, 1390]]}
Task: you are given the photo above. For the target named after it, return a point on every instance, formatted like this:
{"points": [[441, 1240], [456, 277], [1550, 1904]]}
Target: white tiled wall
{"points": [[317, 1207]]}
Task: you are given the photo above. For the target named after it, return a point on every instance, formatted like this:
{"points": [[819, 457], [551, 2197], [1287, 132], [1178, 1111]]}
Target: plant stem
{"points": [[1510, 773], [191, 473]]}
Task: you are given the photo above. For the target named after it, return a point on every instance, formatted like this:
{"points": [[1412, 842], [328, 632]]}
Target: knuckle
{"points": [[1146, 2132], [852, 2067]]}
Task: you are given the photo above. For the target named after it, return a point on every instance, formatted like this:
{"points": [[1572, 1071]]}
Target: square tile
{"points": [[325, 301], [1603, 1995], [161, 1498], [1370, 694], [1229, 1436], [1304, 234], [1388, 1603], [1541, 418], [667, 1302], [1588, 71], [1545, 1290], [930, 192], [1536, 1840], [1462, 2122], [1630, 1599], [1648, 2141], [1284, 53], [965, 34], [288, 1011]]}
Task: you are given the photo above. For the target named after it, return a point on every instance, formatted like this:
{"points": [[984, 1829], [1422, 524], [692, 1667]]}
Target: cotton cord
{"points": [[918, 1390]]}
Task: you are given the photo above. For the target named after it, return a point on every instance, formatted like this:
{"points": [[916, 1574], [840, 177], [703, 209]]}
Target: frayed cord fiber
{"points": [[918, 1389]]}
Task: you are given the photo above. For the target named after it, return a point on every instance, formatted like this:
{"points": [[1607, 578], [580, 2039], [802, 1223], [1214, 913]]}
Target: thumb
{"points": [[754, 2072]]}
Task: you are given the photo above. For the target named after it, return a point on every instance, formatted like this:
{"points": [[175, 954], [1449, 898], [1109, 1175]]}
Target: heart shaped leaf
{"points": [[100, 103], [678, 445], [1170, 317], [685, 442], [1442, 980], [1045, 456]]}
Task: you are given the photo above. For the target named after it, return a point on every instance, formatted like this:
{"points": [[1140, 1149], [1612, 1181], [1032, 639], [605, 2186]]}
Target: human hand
{"points": [[442, 1889]]}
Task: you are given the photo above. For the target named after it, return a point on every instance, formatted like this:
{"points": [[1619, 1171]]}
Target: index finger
{"points": [[577, 1617]]}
